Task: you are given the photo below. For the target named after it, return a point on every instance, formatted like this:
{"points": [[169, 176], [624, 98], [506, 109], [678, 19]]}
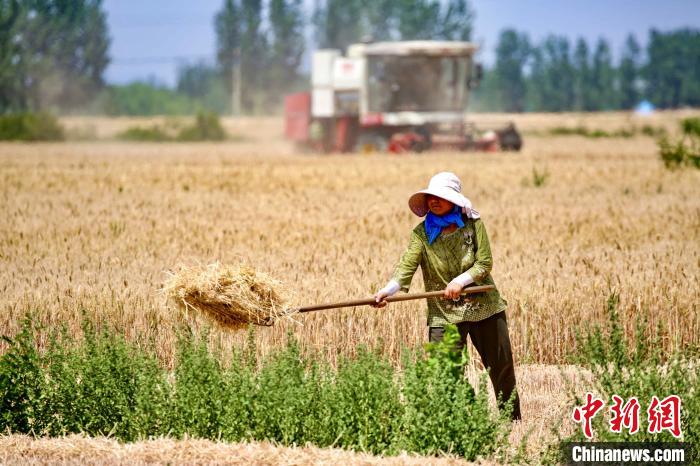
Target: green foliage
{"points": [[12, 90], [27, 126], [152, 133], [100, 387], [691, 127], [53, 53], [671, 72], [551, 80], [339, 23], [636, 367], [281, 401], [146, 99], [21, 379], [104, 385], [654, 132], [629, 73], [199, 88], [511, 56], [242, 44], [287, 44], [206, 127], [685, 151], [442, 411], [205, 86], [539, 177], [603, 78], [559, 78], [365, 405], [583, 98], [198, 392], [239, 385], [594, 133], [431, 19]]}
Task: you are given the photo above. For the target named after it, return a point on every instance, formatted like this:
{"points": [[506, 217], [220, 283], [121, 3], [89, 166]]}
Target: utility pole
{"points": [[236, 82]]}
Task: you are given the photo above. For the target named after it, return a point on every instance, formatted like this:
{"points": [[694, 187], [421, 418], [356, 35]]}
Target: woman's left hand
{"points": [[453, 291]]}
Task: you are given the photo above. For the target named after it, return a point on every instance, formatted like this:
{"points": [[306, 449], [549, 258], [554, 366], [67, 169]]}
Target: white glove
{"points": [[463, 280], [390, 289]]}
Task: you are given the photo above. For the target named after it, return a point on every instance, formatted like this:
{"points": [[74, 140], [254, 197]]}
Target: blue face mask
{"points": [[435, 223]]}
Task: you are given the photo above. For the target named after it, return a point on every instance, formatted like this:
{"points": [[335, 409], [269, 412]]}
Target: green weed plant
{"points": [[206, 127], [684, 151], [105, 385], [30, 126]]}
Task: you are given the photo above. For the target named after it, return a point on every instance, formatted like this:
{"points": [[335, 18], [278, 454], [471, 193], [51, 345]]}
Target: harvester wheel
{"points": [[427, 141], [509, 138]]}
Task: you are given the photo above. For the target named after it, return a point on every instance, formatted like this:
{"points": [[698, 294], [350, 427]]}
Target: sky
{"points": [[150, 39]]}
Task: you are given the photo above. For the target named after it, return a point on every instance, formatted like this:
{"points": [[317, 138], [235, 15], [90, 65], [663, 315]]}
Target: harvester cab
{"points": [[391, 96]]}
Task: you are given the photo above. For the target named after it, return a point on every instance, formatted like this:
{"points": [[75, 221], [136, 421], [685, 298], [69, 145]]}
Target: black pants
{"points": [[490, 337]]}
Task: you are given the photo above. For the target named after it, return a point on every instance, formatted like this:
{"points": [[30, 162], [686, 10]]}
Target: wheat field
{"points": [[88, 229]]}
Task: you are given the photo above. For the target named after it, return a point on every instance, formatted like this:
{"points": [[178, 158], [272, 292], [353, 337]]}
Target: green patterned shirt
{"points": [[466, 249]]}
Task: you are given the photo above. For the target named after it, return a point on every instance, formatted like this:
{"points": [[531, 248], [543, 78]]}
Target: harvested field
{"points": [[93, 226], [22, 450]]}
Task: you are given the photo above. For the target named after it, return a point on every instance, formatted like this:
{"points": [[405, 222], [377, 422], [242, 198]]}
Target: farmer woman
{"points": [[453, 251]]}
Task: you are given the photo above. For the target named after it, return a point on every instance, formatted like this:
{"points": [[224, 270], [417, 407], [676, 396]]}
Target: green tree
{"points": [[552, 76], [672, 70], [582, 77], [228, 40], [143, 98], [379, 19], [432, 19], [57, 51], [486, 97], [629, 73], [287, 46], [604, 92], [205, 85], [457, 21], [253, 55], [241, 43], [338, 23], [512, 53], [11, 86], [534, 85]]}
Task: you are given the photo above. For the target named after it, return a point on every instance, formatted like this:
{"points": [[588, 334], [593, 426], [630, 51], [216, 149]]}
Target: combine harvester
{"points": [[392, 96]]}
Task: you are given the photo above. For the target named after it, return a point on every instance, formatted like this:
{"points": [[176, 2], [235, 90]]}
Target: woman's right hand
{"points": [[380, 296]]}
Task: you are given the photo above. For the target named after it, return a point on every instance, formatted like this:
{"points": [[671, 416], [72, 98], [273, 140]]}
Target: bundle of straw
{"points": [[232, 295]]}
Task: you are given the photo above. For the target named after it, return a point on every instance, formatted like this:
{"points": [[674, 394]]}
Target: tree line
{"points": [[556, 75], [267, 60], [53, 55]]}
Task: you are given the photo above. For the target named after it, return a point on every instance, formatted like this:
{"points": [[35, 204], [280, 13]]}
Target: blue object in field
{"points": [[644, 108]]}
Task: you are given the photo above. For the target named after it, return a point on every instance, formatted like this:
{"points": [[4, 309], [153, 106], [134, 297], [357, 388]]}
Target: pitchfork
{"points": [[391, 299]]}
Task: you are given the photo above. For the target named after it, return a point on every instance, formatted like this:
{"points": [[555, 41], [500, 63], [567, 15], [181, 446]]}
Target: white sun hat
{"points": [[445, 185]]}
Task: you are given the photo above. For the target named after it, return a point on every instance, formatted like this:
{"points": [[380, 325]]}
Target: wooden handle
{"points": [[391, 299]]}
